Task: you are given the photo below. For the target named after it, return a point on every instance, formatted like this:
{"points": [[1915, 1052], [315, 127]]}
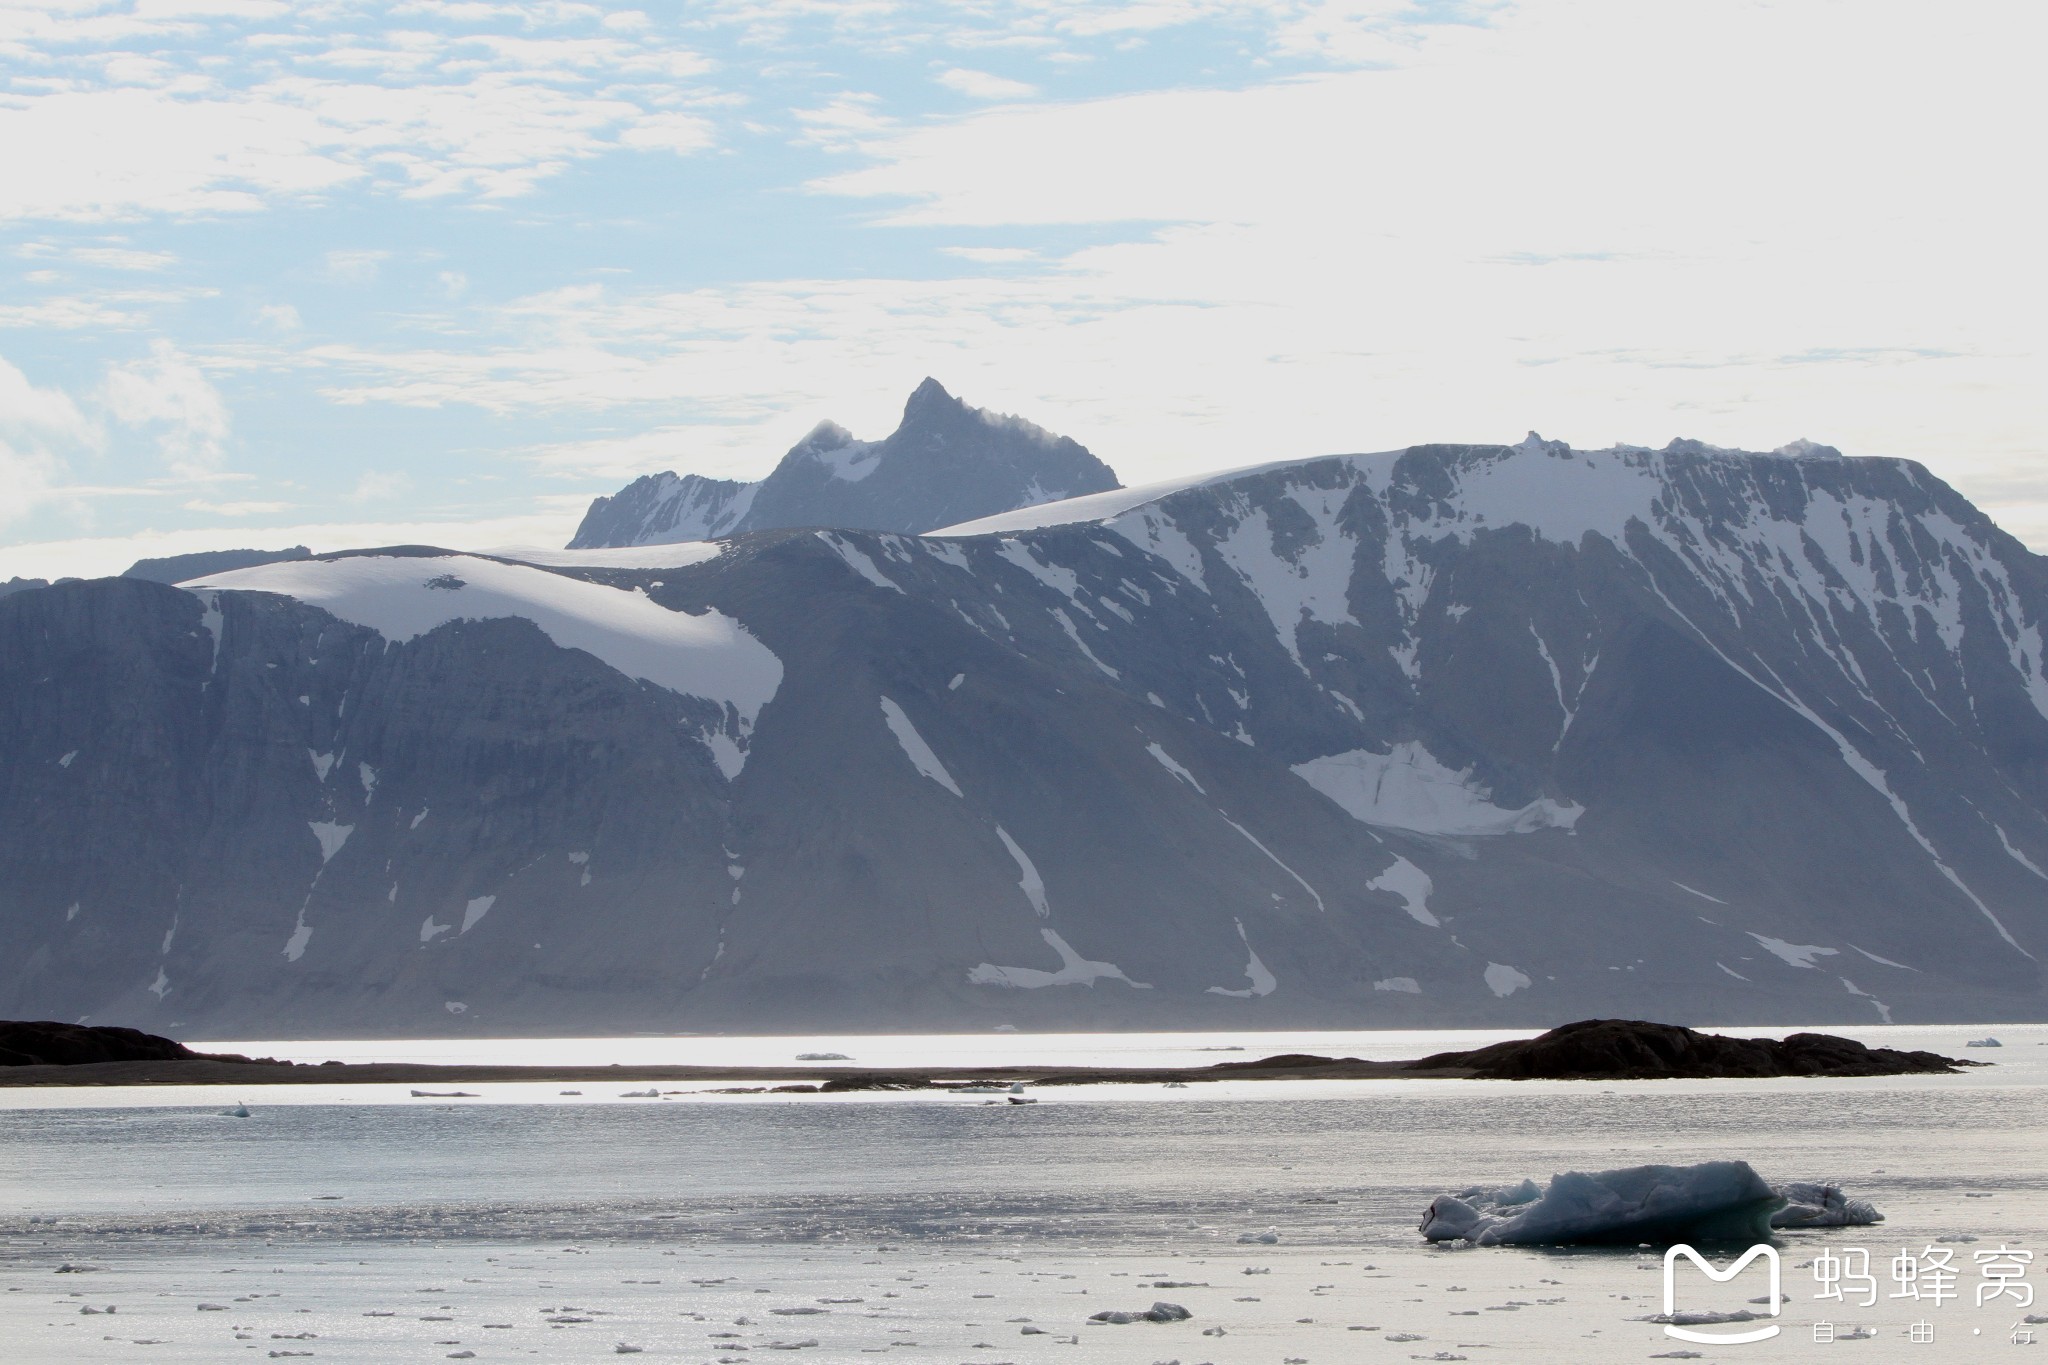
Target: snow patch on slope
{"points": [[331, 837], [1263, 981], [1167, 762], [916, 750], [857, 559], [711, 656], [1793, 954], [1409, 788], [476, 910], [1074, 971], [1412, 885], [681, 555], [1504, 980], [1027, 874]]}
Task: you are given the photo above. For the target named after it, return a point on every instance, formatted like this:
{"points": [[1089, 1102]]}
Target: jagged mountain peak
{"points": [[929, 397], [946, 461]]}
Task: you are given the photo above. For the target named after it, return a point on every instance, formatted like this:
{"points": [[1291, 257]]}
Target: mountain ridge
{"points": [[1447, 735], [944, 462]]}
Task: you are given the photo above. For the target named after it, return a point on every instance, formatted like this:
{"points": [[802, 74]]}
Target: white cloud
{"points": [[39, 428], [236, 509], [992, 255], [172, 397], [280, 317], [981, 85], [381, 485], [122, 258], [124, 134], [360, 266]]}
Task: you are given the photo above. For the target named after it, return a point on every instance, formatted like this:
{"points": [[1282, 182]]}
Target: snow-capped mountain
{"points": [[1455, 734], [945, 462]]}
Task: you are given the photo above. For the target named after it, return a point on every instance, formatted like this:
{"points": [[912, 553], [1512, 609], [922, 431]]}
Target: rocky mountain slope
{"points": [[1456, 734], [945, 462]]}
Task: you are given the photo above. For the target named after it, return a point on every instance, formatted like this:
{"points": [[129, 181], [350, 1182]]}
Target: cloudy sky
{"points": [[353, 273]]}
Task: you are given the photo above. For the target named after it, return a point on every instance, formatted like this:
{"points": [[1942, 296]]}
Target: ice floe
{"points": [[1813, 1204], [1712, 1201]]}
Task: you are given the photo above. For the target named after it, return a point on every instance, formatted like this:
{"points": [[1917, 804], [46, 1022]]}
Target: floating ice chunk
{"points": [[915, 749], [1811, 1204], [1712, 1201], [238, 1110], [1983, 1042], [1158, 1312], [1409, 788]]}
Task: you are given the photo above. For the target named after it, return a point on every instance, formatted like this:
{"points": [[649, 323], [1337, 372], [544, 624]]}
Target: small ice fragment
{"points": [[237, 1111]]}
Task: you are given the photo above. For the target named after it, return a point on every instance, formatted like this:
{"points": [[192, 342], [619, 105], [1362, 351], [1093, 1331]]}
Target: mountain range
{"points": [[945, 462], [1455, 734]]}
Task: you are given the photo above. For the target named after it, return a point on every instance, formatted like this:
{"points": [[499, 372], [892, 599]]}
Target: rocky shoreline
{"points": [[1595, 1049]]}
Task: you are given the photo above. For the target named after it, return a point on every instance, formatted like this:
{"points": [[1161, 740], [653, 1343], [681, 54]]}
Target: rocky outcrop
{"points": [[1636, 1050], [946, 462], [44, 1043]]}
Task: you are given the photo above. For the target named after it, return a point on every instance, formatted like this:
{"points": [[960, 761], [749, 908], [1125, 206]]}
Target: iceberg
{"points": [[1714, 1201], [1811, 1204]]}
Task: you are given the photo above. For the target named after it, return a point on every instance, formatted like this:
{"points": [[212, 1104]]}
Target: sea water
{"points": [[357, 1223]]}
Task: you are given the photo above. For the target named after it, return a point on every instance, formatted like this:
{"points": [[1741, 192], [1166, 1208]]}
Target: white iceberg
{"points": [[1712, 1201]]}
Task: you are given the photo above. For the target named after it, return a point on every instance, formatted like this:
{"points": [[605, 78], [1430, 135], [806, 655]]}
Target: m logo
{"points": [[1770, 1255]]}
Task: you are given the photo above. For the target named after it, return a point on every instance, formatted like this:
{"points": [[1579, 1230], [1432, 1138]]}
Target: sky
{"points": [[441, 271]]}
